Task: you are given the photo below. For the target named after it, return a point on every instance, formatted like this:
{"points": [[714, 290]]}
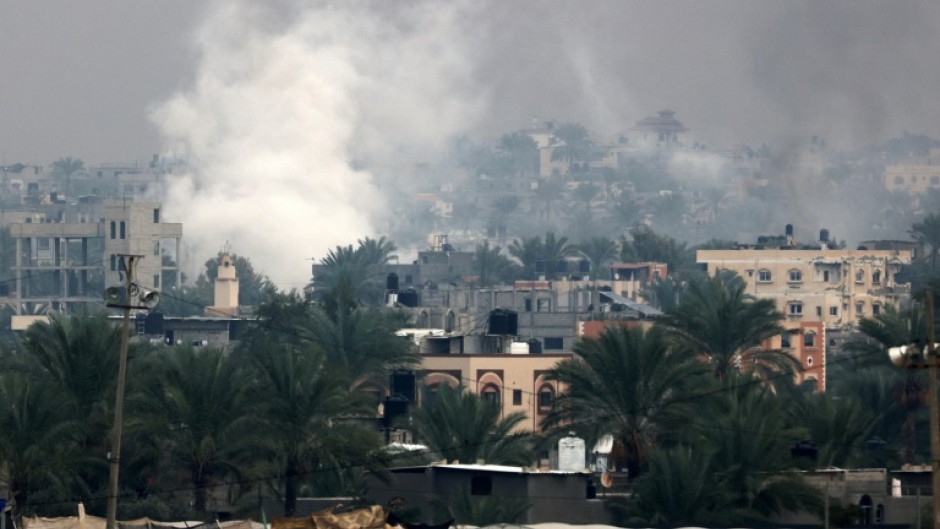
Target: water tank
{"points": [[789, 229], [571, 454], [391, 283], [503, 322], [519, 348], [823, 235], [584, 266], [535, 346], [408, 298]]}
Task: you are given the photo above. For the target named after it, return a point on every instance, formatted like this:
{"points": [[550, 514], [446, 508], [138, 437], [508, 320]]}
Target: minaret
{"points": [[225, 302]]}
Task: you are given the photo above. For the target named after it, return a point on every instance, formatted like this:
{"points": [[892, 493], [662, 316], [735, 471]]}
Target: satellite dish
{"points": [[607, 480]]}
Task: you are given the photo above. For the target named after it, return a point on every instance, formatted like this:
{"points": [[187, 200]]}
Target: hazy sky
{"points": [[271, 101], [79, 78]]}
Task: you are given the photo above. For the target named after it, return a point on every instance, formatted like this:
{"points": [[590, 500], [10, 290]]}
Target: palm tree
{"points": [[600, 251], [585, 192], [528, 251], [752, 458], [547, 193], [504, 207], [719, 320], [522, 150], [460, 426], [199, 404], [867, 374], [554, 250], [78, 355], [490, 264], [37, 445], [575, 145], [839, 427], [927, 232], [313, 419], [362, 345], [67, 167], [628, 383]]}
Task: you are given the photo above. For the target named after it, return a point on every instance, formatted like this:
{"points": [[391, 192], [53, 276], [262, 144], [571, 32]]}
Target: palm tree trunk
{"points": [[290, 488], [201, 493]]}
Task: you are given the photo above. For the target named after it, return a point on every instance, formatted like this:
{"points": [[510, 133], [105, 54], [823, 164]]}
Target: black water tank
{"points": [[408, 298], [403, 384], [153, 323], [584, 266], [503, 322], [823, 235], [535, 346], [391, 283], [789, 230], [393, 408]]}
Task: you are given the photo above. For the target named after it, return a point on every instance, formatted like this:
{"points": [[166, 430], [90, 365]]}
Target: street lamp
{"points": [[914, 357], [130, 296]]}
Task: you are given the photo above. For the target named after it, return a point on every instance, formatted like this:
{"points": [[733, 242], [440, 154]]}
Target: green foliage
{"points": [[460, 426], [628, 383]]}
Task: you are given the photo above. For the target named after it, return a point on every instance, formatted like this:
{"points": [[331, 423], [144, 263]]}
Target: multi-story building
{"points": [[818, 290], [66, 260]]}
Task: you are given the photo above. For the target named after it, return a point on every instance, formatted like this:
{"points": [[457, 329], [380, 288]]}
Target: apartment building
{"points": [[819, 290], [64, 260]]}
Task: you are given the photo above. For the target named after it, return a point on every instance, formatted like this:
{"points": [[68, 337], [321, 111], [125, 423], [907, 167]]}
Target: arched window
{"points": [[490, 393], [113, 229], [795, 276], [423, 320], [546, 397], [764, 276], [809, 339], [449, 322], [876, 277], [113, 262], [859, 276], [123, 230]]}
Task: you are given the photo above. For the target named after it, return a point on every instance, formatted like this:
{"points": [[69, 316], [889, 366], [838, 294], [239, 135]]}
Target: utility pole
{"points": [[131, 297], [115, 455]]}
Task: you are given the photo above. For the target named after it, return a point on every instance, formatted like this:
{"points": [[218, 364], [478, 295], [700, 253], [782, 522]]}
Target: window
{"points": [[784, 341], [554, 343], [764, 276], [528, 305], [517, 397], [113, 262], [899, 180], [809, 339], [795, 309], [546, 397], [156, 215], [876, 277], [491, 394], [113, 229], [833, 311], [544, 305], [795, 276], [859, 276], [826, 276], [123, 230], [875, 309], [818, 310], [809, 361], [156, 280], [156, 248], [860, 308]]}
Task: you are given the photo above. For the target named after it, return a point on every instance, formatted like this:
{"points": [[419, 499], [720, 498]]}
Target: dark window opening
{"points": [[517, 397], [123, 230], [156, 215], [554, 343]]}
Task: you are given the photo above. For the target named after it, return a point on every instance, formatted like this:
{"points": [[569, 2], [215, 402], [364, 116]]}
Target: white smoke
{"points": [[284, 101]]}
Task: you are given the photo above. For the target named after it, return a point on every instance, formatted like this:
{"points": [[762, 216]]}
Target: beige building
{"points": [[836, 287], [62, 262], [518, 382], [912, 179]]}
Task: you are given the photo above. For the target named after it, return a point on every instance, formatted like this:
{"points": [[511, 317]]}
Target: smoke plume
{"points": [[283, 102]]}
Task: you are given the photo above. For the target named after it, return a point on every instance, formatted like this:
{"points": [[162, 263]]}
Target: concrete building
{"points": [[550, 496], [820, 291], [836, 287], [69, 259]]}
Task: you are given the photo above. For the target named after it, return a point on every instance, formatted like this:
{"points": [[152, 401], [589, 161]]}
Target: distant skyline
{"points": [[80, 79], [296, 111]]}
